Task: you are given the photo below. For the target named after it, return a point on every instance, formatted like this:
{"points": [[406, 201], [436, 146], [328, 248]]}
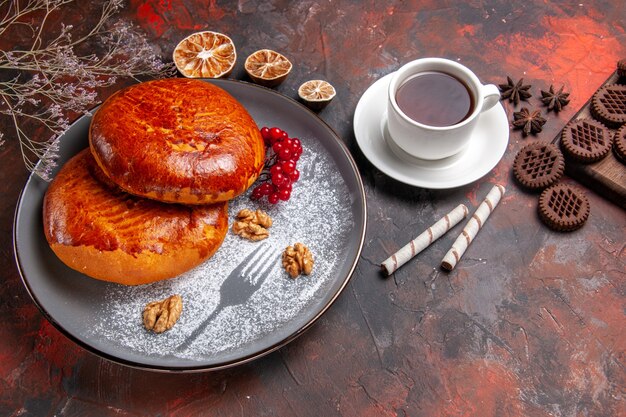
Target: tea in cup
{"points": [[433, 106]]}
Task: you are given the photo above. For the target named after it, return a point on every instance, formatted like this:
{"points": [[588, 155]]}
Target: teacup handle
{"points": [[491, 95]]}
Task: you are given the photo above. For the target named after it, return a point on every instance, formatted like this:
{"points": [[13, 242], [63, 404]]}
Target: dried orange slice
{"points": [[205, 55], [267, 67], [316, 94]]}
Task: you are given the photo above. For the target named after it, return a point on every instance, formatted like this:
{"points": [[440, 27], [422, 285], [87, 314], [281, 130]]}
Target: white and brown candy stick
{"points": [[421, 242], [472, 227]]}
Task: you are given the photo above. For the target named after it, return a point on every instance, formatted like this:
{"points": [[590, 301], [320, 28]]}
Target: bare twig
{"points": [[54, 81]]}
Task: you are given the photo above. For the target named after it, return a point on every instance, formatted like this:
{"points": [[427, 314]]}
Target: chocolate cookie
{"points": [[563, 208], [619, 144], [609, 105], [586, 140], [538, 165]]}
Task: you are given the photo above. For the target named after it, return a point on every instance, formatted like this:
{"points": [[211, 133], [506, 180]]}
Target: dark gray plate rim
{"points": [[353, 170]]}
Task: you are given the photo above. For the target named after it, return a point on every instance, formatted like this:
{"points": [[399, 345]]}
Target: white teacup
{"points": [[436, 142]]}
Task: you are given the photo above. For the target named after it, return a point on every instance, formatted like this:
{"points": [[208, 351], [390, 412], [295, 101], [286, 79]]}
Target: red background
{"points": [[531, 323]]}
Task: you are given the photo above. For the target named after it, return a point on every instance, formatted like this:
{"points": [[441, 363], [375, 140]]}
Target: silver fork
{"points": [[242, 282]]}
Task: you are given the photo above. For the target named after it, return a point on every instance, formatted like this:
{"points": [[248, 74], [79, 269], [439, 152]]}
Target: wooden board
{"points": [[606, 177]]}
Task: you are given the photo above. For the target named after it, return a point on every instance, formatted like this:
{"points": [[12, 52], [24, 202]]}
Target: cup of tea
{"points": [[433, 106]]}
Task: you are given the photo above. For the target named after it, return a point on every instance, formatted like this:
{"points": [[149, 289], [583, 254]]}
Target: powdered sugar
{"points": [[318, 215]]}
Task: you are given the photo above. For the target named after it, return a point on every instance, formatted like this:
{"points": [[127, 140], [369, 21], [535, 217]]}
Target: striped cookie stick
{"points": [[472, 227], [421, 242]]}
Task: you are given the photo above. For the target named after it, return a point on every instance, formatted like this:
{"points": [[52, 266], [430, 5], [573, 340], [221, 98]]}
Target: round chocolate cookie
{"points": [[538, 165], [619, 144], [609, 105], [563, 208], [586, 140]]}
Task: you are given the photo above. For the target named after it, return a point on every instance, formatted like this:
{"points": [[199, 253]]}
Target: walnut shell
{"points": [[252, 225], [160, 316], [297, 260]]}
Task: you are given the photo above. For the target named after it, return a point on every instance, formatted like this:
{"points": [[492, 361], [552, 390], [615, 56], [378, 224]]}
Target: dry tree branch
{"points": [[51, 80]]}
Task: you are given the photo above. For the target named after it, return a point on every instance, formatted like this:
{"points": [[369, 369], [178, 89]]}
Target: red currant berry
{"points": [[273, 198], [284, 154], [276, 169], [286, 186], [256, 193], [275, 134], [278, 179], [265, 188], [288, 167], [284, 135], [288, 142], [278, 146], [296, 142], [294, 175], [265, 133], [284, 194]]}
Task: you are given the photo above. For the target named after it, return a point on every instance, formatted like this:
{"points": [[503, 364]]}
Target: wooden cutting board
{"points": [[606, 177]]}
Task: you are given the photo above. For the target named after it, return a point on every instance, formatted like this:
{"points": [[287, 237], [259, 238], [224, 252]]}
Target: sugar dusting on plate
{"points": [[318, 214]]}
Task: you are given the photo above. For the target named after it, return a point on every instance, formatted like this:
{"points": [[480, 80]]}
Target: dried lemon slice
{"points": [[205, 55], [267, 67], [316, 94]]}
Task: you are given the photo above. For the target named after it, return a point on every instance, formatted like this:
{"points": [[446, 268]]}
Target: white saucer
{"points": [[487, 145]]}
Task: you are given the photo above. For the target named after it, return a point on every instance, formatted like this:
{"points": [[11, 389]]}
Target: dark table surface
{"points": [[531, 322]]}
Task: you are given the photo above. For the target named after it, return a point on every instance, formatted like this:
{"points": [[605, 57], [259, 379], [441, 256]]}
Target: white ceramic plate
{"points": [[487, 145]]}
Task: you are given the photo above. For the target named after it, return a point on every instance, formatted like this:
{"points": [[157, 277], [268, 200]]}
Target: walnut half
{"points": [[297, 259], [252, 225], [160, 316]]}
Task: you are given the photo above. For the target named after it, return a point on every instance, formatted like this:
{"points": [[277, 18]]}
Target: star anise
{"points": [[515, 91], [529, 122], [555, 101]]}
